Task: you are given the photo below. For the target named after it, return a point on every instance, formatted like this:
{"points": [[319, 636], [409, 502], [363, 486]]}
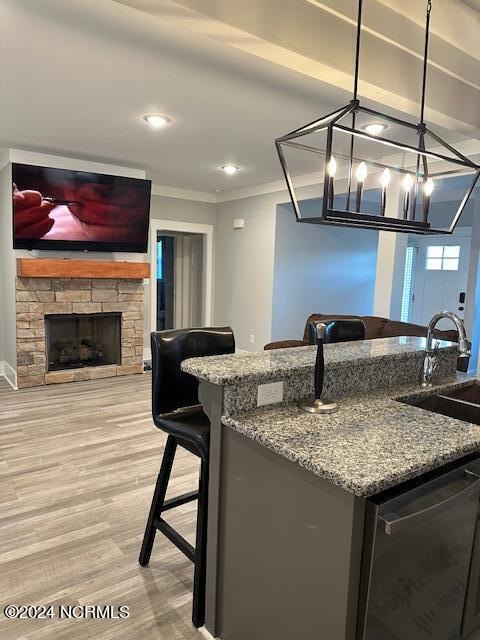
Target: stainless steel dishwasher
{"points": [[417, 567]]}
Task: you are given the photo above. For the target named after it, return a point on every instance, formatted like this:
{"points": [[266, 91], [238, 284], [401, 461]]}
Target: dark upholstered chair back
{"points": [[171, 387], [339, 330]]}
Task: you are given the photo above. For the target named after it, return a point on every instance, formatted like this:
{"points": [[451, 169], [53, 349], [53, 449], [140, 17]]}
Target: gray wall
{"points": [[7, 275], [244, 269], [319, 269], [165, 208], [3, 253]]}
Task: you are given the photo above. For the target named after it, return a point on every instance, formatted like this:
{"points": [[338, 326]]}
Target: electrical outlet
{"points": [[252, 339], [269, 393]]}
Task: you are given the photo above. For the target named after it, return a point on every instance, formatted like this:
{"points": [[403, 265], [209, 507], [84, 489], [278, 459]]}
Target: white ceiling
{"points": [[474, 4], [76, 77]]}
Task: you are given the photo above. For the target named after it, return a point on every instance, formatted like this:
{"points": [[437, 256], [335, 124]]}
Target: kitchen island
{"points": [[293, 496]]}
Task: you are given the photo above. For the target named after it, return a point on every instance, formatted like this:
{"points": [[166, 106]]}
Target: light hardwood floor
{"points": [[77, 467], [78, 464]]}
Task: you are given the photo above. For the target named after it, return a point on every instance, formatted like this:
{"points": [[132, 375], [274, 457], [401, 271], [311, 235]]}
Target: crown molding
{"points": [[182, 194]]}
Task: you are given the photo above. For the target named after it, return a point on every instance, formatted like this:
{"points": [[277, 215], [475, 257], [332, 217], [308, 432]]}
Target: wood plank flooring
{"points": [[78, 463]]}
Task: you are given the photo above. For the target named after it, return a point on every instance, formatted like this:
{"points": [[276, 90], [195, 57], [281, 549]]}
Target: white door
{"points": [[441, 274]]}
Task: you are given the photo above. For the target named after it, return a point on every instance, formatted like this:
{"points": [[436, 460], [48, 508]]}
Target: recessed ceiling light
{"points": [[230, 169], [156, 120], [375, 128]]}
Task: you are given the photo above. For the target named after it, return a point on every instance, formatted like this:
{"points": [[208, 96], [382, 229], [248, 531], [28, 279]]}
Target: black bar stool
{"points": [[176, 410]]}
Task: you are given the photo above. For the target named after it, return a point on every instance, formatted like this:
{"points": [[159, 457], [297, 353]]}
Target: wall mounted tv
{"points": [[76, 210]]}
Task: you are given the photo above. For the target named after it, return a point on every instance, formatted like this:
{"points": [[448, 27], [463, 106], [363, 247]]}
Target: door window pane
{"points": [[434, 264], [444, 258], [434, 252], [450, 264], [451, 252]]}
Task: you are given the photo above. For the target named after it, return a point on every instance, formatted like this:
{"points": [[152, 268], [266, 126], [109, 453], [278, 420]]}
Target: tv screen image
{"points": [[77, 210]]}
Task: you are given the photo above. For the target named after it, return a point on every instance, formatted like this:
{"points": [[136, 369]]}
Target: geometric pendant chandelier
{"points": [[386, 174]]}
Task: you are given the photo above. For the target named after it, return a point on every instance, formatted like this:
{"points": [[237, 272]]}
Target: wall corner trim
{"points": [[206, 634], [9, 373]]}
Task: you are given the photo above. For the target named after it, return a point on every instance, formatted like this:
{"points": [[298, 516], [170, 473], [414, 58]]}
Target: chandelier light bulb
{"points": [[362, 172], [332, 167], [385, 179], [363, 200], [407, 182], [429, 187]]}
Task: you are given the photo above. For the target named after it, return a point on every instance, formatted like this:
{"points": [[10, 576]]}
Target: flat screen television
{"points": [[77, 210]]}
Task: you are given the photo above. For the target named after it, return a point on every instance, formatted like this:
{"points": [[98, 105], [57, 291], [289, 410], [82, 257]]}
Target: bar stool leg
{"points": [[157, 500], [198, 613]]}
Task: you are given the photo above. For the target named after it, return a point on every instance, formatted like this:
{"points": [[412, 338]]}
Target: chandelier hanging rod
{"points": [[425, 63], [357, 50], [402, 213], [425, 58]]}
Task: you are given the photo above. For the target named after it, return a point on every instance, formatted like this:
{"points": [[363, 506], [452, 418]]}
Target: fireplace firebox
{"points": [[82, 340]]}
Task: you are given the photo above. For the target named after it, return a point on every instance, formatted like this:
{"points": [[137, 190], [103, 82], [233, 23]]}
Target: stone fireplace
{"points": [[94, 326]]}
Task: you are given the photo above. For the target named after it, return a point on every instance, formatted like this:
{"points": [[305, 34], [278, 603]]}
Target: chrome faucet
{"points": [[431, 360]]}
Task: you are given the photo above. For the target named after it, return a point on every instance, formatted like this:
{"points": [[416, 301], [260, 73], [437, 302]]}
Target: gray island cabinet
{"points": [[357, 525]]}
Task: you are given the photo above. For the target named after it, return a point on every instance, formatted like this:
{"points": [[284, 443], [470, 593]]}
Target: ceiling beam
{"points": [[316, 38]]}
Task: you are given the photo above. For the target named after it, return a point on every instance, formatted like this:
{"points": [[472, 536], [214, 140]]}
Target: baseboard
{"points": [[9, 373], [206, 634]]}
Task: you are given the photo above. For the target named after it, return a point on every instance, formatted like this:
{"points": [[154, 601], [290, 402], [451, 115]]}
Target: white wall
{"points": [[319, 269]]}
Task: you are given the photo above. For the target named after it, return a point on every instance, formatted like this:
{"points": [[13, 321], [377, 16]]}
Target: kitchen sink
{"points": [[467, 393], [462, 403]]}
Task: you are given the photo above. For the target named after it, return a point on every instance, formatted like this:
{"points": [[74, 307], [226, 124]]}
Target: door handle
{"points": [[393, 525]]}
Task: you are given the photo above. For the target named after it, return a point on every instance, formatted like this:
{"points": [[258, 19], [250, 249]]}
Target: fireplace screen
{"points": [[81, 340]]}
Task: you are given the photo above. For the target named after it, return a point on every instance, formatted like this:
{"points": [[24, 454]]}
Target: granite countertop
{"points": [[239, 367], [371, 444]]}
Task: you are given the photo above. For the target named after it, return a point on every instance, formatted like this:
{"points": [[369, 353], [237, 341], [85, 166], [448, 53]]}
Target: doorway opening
{"points": [[179, 276], [181, 289]]}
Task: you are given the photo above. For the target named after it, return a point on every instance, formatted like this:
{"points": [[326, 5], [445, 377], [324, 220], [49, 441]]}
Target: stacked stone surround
{"points": [[38, 297]]}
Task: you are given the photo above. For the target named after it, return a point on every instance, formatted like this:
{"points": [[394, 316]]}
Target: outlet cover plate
{"points": [[270, 393]]}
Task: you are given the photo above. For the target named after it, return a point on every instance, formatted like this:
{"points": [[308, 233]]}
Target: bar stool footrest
{"points": [[172, 503], [175, 538]]}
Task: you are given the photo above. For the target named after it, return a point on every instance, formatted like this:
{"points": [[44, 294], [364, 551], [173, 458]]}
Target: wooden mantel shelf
{"points": [[64, 268]]}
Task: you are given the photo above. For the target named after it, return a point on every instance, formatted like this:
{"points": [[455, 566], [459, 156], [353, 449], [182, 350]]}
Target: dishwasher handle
{"points": [[394, 525]]}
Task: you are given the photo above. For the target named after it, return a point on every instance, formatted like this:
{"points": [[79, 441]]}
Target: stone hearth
{"points": [[38, 297]]}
